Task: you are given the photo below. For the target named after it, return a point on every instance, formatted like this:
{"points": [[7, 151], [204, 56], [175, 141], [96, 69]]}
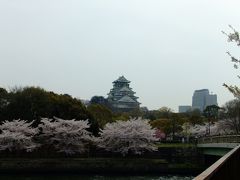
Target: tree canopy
{"points": [[33, 103]]}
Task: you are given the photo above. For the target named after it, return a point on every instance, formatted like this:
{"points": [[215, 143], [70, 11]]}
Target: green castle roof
{"points": [[126, 99], [125, 89], [121, 79]]}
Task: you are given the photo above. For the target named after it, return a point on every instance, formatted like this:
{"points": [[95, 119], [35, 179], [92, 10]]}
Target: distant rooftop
{"points": [[201, 90], [125, 89], [122, 79], [126, 99]]}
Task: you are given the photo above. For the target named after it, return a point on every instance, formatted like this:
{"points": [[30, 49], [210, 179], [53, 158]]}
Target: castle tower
{"points": [[121, 97]]}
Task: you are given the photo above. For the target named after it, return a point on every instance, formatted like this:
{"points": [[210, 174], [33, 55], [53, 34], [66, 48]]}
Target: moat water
{"points": [[92, 177]]}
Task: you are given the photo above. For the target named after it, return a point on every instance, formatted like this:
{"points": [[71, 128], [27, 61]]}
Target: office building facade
{"points": [[201, 99]]}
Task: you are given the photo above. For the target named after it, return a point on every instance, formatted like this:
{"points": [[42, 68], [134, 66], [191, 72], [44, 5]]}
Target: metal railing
{"points": [[226, 167], [219, 139]]}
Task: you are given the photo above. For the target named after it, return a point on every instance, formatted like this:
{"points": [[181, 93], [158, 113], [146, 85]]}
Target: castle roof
{"points": [[125, 89], [126, 99], [122, 79]]}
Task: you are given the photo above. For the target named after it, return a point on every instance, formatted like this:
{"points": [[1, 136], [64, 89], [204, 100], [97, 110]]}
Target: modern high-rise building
{"points": [[201, 99], [121, 97]]}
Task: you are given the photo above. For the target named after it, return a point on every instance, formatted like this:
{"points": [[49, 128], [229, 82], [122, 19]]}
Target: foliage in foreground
{"points": [[128, 137], [233, 37]]}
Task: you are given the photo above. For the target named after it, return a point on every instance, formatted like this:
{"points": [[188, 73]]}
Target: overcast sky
{"points": [[166, 48]]}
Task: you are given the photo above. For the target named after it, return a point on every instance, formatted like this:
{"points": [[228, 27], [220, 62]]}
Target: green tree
{"points": [[98, 100], [25, 103], [124, 116], [176, 125], [163, 112], [3, 101], [32, 103], [170, 126], [162, 124], [101, 114], [3, 97], [195, 117], [211, 113]]}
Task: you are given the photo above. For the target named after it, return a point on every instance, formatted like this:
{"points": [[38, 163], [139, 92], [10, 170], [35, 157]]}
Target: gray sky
{"points": [[167, 48]]}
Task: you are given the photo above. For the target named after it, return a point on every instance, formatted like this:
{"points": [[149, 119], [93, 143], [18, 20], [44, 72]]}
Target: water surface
{"points": [[92, 177]]}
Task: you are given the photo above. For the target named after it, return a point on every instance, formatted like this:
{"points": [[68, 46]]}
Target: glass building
{"points": [[201, 99]]}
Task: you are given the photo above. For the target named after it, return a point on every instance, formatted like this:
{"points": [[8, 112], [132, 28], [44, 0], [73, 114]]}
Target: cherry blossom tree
{"points": [[17, 135], [230, 117], [133, 136], [68, 136], [233, 37], [160, 135]]}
